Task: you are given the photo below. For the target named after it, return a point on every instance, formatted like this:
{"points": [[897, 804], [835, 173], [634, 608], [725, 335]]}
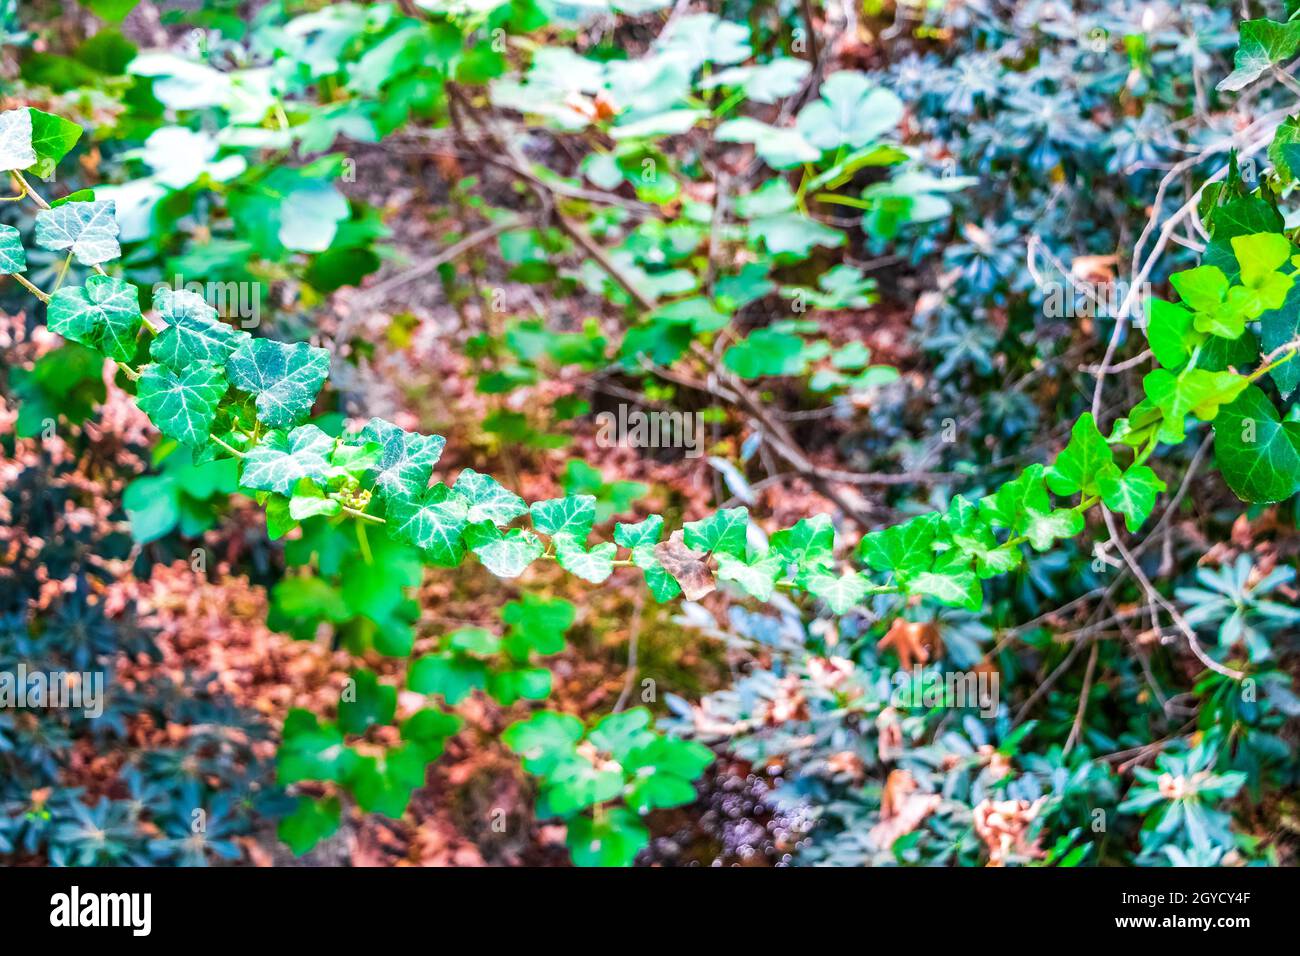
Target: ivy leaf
{"points": [[642, 533], [16, 152], [193, 333], [310, 822], [903, 549], [688, 568], [780, 148], [1132, 494], [52, 138], [1264, 43], [505, 555], [594, 565], [853, 111], [1085, 460], [406, 459], [544, 740], [104, 314], [841, 594], [311, 750], [1193, 391], [764, 82], [13, 257], [309, 501], [1257, 452], [619, 735], [182, 405], [455, 678], [1169, 328], [724, 531], [757, 578], [488, 501], [433, 520], [1044, 527], [810, 543], [284, 379], [282, 459], [613, 840], [662, 585], [573, 515], [954, 585], [87, 229]]}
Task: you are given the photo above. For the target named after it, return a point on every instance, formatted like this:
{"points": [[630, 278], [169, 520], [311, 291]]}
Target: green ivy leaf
{"points": [[1169, 333], [842, 593], [853, 111], [955, 586], [1132, 494], [454, 677], [757, 578], [52, 138], [1193, 391], [193, 332], [104, 314], [13, 257], [647, 532], [366, 702], [663, 586], [310, 750], [723, 531], [594, 565], [506, 555], [433, 520], [310, 822], [284, 379], [282, 459], [619, 735], [1257, 452], [903, 549], [1045, 527], [309, 501], [810, 543], [573, 515], [544, 740], [1083, 462], [1264, 43], [406, 460], [87, 229], [487, 500], [182, 405]]}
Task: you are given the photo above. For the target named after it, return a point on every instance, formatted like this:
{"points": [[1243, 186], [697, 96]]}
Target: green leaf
{"points": [[955, 587], [487, 500], [16, 152], [1264, 43], [406, 460], [543, 740], [644, 532], [428, 731], [659, 791], [433, 520], [613, 840], [309, 501], [454, 677], [13, 257], [182, 405], [52, 138], [506, 555], [573, 515], [1044, 528], [536, 625], [841, 594], [1132, 494], [1169, 332], [519, 683], [311, 750], [1193, 391], [767, 352], [104, 314], [723, 531], [810, 543], [904, 549], [1257, 452], [282, 459], [758, 579], [661, 583], [1083, 462], [311, 820], [87, 229], [620, 734], [594, 565], [780, 148], [284, 379], [366, 702], [853, 111], [193, 333]]}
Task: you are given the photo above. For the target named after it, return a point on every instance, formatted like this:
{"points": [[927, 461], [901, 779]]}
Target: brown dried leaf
{"points": [[688, 567]]}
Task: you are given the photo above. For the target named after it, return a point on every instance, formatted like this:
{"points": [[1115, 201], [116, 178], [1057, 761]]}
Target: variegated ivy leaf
{"points": [[1132, 494], [573, 515], [723, 531], [757, 579], [284, 379], [104, 314], [488, 501], [182, 405], [841, 594], [194, 333], [432, 519], [13, 257], [594, 565], [16, 152], [952, 582], [642, 533], [282, 459], [506, 555], [1042, 528], [87, 229], [406, 458]]}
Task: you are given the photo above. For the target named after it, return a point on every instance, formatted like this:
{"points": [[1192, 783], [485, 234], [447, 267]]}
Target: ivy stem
{"points": [[364, 543], [28, 190], [22, 281], [230, 448], [355, 513]]}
